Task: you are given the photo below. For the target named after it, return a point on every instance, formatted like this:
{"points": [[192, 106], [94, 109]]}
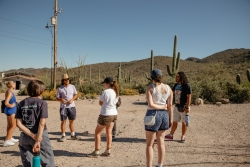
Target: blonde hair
{"points": [[8, 83]]}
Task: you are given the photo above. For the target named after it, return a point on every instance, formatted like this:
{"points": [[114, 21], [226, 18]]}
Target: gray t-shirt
{"points": [[30, 111], [67, 93]]}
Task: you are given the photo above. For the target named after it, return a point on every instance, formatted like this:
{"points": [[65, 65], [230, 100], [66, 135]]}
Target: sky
{"points": [[118, 30]]}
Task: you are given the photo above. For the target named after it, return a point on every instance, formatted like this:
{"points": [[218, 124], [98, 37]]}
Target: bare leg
{"points": [[63, 126], [71, 126], [11, 126], [98, 130], [109, 134], [174, 127], [184, 129], [161, 145], [149, 147]]}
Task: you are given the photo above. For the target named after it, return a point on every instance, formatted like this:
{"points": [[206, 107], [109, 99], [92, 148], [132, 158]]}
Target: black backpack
{"points": [[2, 106]]}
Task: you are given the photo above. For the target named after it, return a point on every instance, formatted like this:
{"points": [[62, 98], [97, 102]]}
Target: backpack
{"points": [[2, 106]]}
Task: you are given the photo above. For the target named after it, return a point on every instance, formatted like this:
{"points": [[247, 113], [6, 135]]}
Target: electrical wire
{"points": [[24, 35], [24, 39], [22, 23]]}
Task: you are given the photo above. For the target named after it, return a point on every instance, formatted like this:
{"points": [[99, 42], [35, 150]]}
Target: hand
{"points": [[186, 110], [35, 138], [64, 101], [36, 147], [71, 101]]}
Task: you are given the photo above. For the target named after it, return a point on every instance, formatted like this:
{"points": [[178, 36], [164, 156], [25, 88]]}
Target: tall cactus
{"points": [[248, 75], [238, 80], [175, 62], [90, 79], [151, 65], [119, 73]]}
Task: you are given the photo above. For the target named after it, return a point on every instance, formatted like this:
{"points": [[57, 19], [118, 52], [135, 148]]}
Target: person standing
{"points": [[10, 111], [107, 117], [118, 104], [159, 97], [31, 120], [67, 94], [182, 99]]}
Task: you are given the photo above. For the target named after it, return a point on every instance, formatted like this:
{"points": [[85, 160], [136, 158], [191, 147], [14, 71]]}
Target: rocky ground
{"points": [[217, 136]]}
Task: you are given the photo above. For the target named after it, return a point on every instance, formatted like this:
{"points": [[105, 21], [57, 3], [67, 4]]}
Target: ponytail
{"points": [[115, 86]]}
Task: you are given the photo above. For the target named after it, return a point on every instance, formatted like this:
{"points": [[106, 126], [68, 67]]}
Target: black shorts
{"points": [[68, 113]]}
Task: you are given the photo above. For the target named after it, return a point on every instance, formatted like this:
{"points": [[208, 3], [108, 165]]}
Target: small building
{"points": [[22, 79]]}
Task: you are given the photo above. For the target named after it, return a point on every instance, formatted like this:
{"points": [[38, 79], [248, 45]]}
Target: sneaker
{"points": [[75, 138], [182, 139], [8, 143], [94, 154], [106, 153], [113, 138], [169, 137], [62, 139], [14, 140]]}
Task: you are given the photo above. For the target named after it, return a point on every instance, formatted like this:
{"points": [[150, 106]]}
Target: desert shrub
{"points": [[90, 96], [49, 95], [140, 88], [196, 90], [90, 88], [130, 91], [237, 93], [23, 92], [212, 91]]}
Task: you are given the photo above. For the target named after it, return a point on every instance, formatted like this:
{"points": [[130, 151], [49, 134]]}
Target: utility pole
{"points": [[55, 42]]}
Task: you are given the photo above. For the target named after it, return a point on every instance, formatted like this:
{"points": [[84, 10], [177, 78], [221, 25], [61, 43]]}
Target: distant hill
{"points": [[233, 58]]}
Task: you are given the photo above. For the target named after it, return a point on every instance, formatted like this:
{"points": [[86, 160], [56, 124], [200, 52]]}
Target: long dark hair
{"points": [[114, 85], [183, 77]]}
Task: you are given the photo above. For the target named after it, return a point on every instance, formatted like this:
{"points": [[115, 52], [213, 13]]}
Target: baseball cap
{"points": [[107, 80], [155, 73]]}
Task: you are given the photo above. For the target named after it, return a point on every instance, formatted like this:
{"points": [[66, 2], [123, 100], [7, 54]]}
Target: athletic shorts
{"points": [[161, 120], [179, 116], [106, 120], [68, 113]]}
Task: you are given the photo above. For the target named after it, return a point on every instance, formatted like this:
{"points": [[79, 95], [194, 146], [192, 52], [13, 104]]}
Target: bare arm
{"points": [[37, 146], [188, 103], [150, 100], [100, 102], [74, 97], [24, 129], [170, 108], [8, 96]]}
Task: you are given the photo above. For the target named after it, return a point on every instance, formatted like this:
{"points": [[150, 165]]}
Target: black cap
{"points": [[107, 80], [155, 73]]}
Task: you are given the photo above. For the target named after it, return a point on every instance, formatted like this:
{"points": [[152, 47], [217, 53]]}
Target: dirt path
{"points": [[217, 136]]}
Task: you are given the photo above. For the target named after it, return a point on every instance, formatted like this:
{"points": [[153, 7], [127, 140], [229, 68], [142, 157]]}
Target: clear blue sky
{"points": [[119, 30]]}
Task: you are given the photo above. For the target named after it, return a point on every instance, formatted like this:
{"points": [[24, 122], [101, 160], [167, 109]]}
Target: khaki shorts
{"points": [[179, 116], [106, 120]]}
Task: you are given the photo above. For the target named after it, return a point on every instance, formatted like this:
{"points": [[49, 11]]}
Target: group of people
{"points": [[30, 116]]}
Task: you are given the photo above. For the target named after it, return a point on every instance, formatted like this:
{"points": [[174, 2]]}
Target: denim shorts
{"points": [[161, 120]]}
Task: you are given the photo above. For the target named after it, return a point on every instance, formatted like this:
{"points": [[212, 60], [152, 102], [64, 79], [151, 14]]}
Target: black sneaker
{"points": [[75, 138]]}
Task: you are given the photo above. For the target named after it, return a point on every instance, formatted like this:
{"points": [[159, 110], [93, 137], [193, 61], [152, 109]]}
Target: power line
{"points": [[23, 35], [23, 39], [23, 23]]}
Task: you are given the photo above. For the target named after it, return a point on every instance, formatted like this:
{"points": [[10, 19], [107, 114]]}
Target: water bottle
{"points": [[36, 159], [187, 119]]}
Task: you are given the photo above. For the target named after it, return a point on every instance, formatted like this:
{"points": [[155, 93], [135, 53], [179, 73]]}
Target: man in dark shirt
{"points": [[182, 99]]}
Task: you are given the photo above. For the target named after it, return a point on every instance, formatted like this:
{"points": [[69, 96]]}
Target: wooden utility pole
{"points": [[55, 41]]}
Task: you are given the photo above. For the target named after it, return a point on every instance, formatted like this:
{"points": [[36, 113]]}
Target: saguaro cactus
{"points": [[248, 75], [175, 62], [151, 65], [238, 80]]}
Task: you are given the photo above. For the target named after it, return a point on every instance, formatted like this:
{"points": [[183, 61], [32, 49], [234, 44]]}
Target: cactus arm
{"points": [[177, 62], [238, 80], [248, 75], [168, 70]]}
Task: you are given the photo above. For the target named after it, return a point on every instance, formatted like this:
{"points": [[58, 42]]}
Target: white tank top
{"points": [[158, 98]]}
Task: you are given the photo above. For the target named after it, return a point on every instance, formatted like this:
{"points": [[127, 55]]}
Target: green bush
{"points": [[140, 88], [23, 92], [236, 93], [90, 89]]}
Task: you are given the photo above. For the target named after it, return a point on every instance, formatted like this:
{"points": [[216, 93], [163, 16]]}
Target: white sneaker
{"points": [[14, 140], [8, 143]]}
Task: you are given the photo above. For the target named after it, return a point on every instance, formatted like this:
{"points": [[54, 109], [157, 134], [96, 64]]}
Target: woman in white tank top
{"points": [[159, 97]]}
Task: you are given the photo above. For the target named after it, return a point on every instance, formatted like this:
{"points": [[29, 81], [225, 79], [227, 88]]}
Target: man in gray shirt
{"points": [[66, 94]]}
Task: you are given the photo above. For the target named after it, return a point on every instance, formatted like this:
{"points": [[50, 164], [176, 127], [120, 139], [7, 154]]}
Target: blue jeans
{"points": [[161, 120], [26, 144]]}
